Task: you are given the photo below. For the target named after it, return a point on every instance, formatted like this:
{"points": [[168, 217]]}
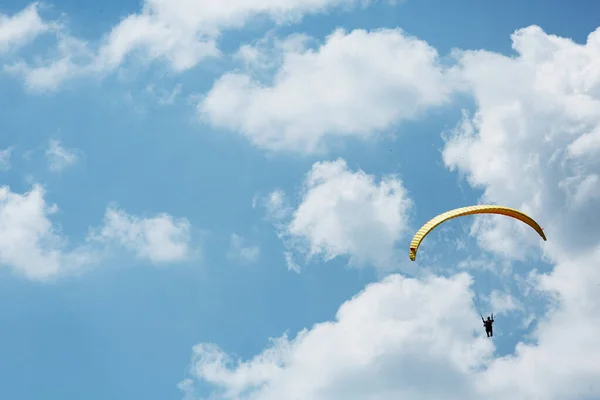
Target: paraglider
{"points": [[459, 212]]}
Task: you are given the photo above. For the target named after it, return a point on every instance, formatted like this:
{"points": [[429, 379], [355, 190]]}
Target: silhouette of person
{"points": [[488, 324]]}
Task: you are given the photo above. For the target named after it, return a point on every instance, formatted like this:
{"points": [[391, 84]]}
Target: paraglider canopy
{"points": [[459, 212]]}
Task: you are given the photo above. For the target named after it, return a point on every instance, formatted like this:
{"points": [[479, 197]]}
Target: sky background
{"points": [[214, 200]]}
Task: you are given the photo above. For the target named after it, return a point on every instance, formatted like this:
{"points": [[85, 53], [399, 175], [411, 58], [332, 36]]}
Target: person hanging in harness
{"points": [[488, 324]]}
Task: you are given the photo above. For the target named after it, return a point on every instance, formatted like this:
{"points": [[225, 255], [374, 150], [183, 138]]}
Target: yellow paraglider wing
{"points": [[459, 212]]}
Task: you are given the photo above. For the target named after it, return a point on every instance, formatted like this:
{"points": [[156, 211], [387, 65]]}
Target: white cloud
{"points": [[355, 85], [30, 244], [69, 59], [531, 145], [5, 156], [395, 338], [33, 246], [59, 157], [268, 53], [21, 28], [561, 364], [179, 32], [390, 341], [503, 302], [523, 144], [276, 205], [159, 239], [187, 387], [183, 32], [239, 250], [290, 263], [346, 213]]}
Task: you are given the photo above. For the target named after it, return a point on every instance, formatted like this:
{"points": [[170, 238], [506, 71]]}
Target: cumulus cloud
{"points": [[30, 243], [158, 239], [390, 341], [531, 145], [354, 85], [561, 364], [67, 58], [181, 33], [347, 213], [523, 147], [240, 250], [21, 28], [59, 157]]}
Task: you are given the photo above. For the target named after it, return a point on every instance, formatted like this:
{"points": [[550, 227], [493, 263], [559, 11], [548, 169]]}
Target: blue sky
{"points": [[193, 150]]}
